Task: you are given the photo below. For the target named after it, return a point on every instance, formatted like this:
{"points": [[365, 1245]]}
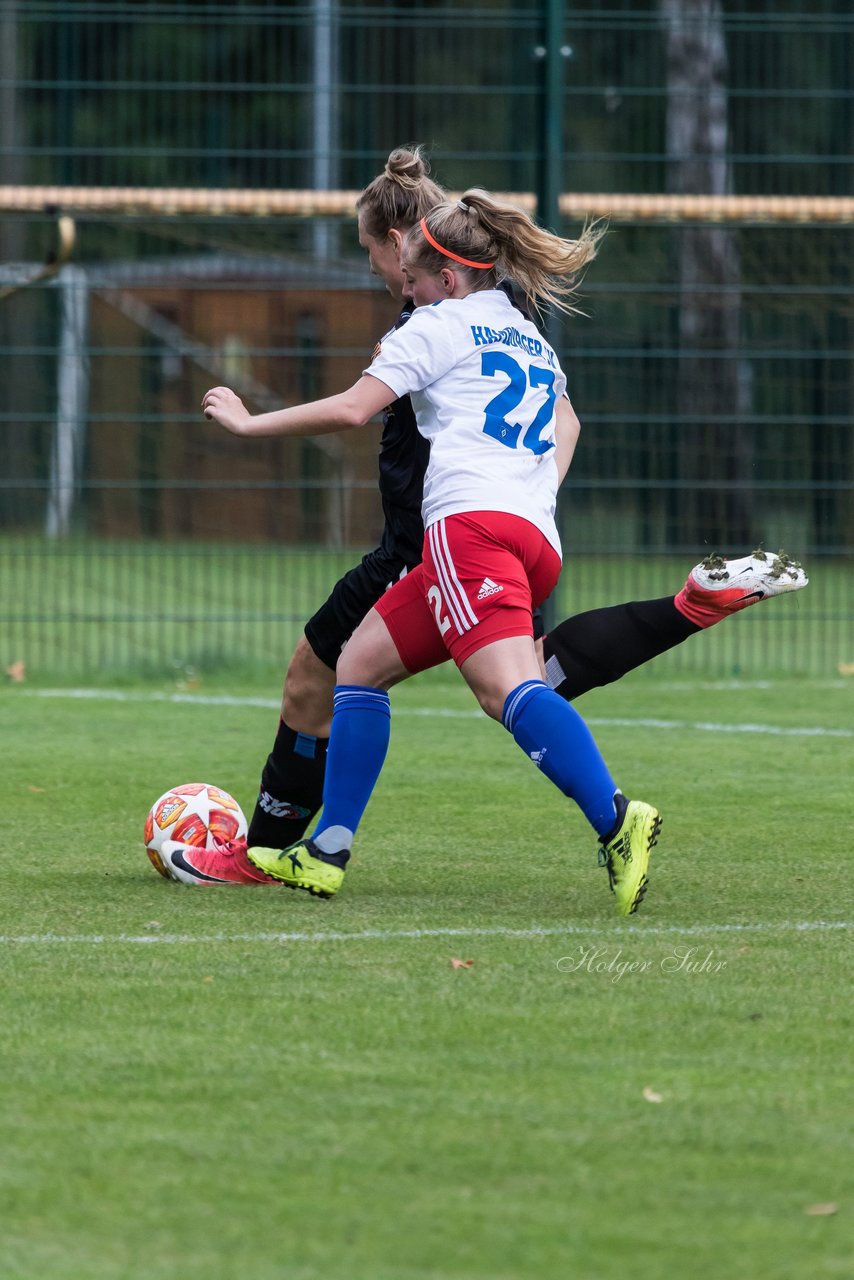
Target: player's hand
{"points": [[221, 405]]}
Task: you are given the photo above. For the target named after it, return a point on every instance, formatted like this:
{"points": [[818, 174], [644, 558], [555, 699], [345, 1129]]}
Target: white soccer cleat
{"points": [[717, 587]]}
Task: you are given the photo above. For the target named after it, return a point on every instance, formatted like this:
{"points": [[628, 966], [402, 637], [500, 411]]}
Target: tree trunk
{"points": [[713, 388]]}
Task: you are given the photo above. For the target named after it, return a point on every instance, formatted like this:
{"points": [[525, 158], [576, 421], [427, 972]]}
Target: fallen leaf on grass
{"points": [[821, 1210], [31, 788], [461, 964], [652, 1096], [17, 672]]}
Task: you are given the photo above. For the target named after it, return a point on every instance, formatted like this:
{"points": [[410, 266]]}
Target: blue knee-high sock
{"points": [[361, 727], [555, 737]]}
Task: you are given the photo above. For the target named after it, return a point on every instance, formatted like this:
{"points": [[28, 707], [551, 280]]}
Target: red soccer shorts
{"points": [[482, 574]]}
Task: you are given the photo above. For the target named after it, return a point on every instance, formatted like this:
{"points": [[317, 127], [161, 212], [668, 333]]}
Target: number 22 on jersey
{"points": [[496, 414]]}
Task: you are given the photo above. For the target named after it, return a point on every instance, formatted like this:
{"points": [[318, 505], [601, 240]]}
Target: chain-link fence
{"points": [[712, 369]]}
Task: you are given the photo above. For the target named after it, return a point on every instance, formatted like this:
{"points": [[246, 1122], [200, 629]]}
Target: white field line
{"points": [[619, 722], [391, 935]]}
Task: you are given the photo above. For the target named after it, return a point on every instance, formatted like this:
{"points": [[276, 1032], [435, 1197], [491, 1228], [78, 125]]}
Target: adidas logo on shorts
{"points": [[488, 588]]}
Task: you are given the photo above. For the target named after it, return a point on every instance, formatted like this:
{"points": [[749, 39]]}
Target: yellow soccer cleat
{"points": [[625, 851], [302, 866]]}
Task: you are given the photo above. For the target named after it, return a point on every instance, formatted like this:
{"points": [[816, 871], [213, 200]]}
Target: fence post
{"points": [[72, 391]]}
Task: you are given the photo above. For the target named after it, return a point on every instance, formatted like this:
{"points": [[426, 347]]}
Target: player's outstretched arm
{"points": [[342, 412]]}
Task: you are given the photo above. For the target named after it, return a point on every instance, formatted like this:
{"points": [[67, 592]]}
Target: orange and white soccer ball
{"points": [[194, 813]]}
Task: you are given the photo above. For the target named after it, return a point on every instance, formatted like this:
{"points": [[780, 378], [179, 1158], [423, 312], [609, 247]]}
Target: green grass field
{"points": [[249, 1083]]}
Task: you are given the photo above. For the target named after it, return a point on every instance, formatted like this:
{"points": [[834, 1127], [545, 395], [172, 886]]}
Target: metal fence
{"points": [[712, 370], [226, 94]]}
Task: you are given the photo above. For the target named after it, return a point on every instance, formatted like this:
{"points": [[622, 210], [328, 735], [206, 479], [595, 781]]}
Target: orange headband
{"points": [[466, 262]]}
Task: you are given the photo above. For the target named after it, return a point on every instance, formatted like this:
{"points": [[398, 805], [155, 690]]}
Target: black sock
{"points": [[600, 646], [291, 789]]}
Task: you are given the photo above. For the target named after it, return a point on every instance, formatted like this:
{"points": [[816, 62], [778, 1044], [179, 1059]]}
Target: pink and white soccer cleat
{"points": [[718, 587], [224, 864]]}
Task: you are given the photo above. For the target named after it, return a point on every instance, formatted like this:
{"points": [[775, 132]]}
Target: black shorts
{"points": [[351, 599]]}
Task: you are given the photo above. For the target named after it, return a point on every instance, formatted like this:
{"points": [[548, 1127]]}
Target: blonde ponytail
{"points": [[490, 233]]}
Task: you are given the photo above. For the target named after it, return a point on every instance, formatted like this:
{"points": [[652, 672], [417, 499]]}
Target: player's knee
{"points": [[491, 701], [370, 656], [358, 664]]}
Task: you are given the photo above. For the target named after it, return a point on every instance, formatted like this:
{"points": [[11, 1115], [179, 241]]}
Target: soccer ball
{"points": [[194, 813]]}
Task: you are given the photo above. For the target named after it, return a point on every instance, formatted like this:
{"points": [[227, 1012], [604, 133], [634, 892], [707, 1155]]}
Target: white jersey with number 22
{"points": [[483, 383]]}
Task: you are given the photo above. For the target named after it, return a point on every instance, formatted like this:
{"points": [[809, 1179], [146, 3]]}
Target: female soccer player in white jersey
{"points": [[488, 393], [581, 652]]}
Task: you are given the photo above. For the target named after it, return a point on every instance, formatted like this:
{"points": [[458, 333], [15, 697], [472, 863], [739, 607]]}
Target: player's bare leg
{"points": [[307, 692], [499, 667]]}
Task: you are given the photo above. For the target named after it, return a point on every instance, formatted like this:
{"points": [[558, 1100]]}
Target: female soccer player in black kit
{"points": [[584, 651]]}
